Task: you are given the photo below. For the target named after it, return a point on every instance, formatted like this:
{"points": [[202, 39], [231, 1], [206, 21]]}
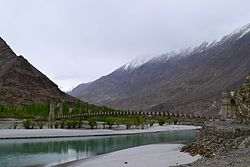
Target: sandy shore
{"points": [[156, 155], [56, 133]]}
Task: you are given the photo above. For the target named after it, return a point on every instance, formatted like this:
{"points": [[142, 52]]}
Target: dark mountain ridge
{"points": [[21, 83]]}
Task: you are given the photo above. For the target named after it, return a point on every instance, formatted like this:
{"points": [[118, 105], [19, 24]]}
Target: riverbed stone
{"points": [[221, 146]]}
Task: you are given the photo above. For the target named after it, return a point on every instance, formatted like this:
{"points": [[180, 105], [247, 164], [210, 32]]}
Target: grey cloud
{"points": [[81, 40]]}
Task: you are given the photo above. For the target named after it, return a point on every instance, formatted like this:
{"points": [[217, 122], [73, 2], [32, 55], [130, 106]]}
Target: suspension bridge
{"points": [[153, 113]]}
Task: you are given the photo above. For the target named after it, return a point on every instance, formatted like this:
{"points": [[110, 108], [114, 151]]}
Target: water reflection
{"points": [[46, 151]]}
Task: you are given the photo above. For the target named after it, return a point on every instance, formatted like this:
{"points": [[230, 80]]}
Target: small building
{"points": [[228, 107]]}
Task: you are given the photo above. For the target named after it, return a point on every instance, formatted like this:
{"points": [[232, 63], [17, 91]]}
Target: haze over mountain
{"points": [[21, 83], [188, 80]]}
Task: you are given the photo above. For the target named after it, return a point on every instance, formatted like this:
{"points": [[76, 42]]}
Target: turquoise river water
{"points": [[39, 152]]}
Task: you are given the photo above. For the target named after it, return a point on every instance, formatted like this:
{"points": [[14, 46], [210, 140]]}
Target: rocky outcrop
{"points": [[217, 140], [243, 102], [237, 158], [21, 83]]}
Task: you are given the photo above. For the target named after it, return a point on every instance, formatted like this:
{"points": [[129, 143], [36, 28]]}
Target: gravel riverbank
{"points": [[221, 146], [237, 158]]}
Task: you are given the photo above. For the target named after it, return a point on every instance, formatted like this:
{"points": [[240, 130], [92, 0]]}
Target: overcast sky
{"points": [[77, 41]]}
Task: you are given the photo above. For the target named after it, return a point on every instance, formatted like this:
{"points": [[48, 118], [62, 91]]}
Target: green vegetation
{"points": [[128, 124], [62, 124], [68, 124], [161, 121], [41, 111], [51, 125], [151, 122], [92, 123], [80, 123], [74, 124], [15, 125], [175, 120], [56, 124], [40, 124], [138, 122], [110, 121], [71, 124], [28, 124], [29, 111]]}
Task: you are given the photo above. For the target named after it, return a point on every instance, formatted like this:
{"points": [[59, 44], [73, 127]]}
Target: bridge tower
{"points": [[228, 104], [56, 110]]}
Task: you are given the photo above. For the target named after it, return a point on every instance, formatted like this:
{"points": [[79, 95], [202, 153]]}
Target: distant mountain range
{"points": [[189, 80], [21, 83]]}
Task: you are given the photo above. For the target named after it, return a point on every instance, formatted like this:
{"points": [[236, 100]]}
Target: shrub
{"points": [[62, 124], [15, 125], [92, 123], [56, 124], [137, 121], [51, 125], [104, 125], [128, 124], [74, 124], [68, 124], [40, 124], [151, 123], [110, 122], [28, 124], [175, 120], [143, 123], [80, 123], [161, 121]]}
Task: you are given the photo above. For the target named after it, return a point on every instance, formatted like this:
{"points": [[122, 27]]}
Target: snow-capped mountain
{"points": [[233, 36], [177, 77], [141, 60], [240, 32], [136, 63]]}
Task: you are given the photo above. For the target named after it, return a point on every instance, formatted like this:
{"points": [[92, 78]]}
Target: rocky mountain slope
{"points": [[77, 91], [189, 80], [221, 145], [21, 83]]}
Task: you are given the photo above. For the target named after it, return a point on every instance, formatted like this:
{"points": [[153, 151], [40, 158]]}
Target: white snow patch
{"points": [[214, 43], [137, 62], [236, 34], [163, 58], [245, 32], [239, 32]]}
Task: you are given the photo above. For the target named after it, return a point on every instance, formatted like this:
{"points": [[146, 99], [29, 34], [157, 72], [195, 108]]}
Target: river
{"points": [[46, 152]]}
